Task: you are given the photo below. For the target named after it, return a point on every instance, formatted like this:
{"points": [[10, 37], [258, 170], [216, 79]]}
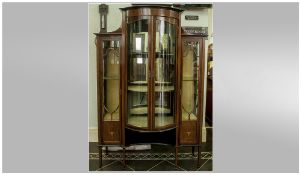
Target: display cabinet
{"points": [[150, 80], [109, 89], [151, 70], [192, 89]]}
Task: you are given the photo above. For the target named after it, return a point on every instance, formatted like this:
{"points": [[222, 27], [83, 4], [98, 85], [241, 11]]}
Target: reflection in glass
{"points": [[165, 73], [189, 96], [138, 43], [111, 59], [138, 73]]}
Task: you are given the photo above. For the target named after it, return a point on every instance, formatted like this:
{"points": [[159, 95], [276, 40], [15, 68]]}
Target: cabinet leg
{"points": [[123, 156], [199, 156], [106, 150], [100, 156], [192, 150], [176, 155]]}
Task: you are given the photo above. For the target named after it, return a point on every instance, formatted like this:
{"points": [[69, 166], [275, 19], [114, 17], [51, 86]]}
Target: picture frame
{"points": [[138, 42]]}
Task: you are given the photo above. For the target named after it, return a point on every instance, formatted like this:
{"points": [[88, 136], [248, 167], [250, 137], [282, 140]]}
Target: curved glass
{"points": [[111, 61], [189, 95], [165, 70], [138, 73]]}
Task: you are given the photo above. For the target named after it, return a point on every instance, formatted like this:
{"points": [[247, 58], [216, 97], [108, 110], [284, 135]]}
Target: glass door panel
{"points": [[111, 76], [189, 95], [165, 70], [138, 73]]}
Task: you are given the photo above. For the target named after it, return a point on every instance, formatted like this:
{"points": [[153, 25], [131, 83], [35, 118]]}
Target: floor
{"points": [[159, 158]]}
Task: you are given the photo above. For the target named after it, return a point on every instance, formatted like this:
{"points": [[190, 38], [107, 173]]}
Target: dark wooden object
{"points": [[119, 133], [103, 10], [209, 116]]}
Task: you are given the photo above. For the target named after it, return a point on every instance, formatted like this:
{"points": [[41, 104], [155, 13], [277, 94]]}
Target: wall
{"points": [[114, 22]]}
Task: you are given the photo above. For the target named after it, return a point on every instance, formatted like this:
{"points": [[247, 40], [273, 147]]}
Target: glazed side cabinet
{"points": [[150, 79]]}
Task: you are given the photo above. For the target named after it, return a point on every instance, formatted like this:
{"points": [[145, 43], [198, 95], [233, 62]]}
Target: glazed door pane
{"points": [[165, 69], [138, 71], [111, 76], [189, 95]]}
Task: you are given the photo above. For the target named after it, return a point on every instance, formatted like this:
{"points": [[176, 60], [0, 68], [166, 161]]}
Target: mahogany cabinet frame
{"points": [[152, 13]]}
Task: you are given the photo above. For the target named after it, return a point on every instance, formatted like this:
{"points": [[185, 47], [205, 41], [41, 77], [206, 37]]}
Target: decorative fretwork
{"points": [[191, 45]]}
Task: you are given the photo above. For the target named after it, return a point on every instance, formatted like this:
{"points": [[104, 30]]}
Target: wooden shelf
{"points": [[111, 78], [138, 121], [163, 121], [165, 54], [145, 82], [139, 53], [138, 82], [141, 121], [189, 79], [157, 88], [137, 88], [164, 88], [143, 110], [157, 53]]}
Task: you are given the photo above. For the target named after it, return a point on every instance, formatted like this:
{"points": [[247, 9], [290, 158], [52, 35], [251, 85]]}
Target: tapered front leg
{"points": [[100, 156], [123, 156], [106, 150], [192, 151], [199, 156], [176, 155]]}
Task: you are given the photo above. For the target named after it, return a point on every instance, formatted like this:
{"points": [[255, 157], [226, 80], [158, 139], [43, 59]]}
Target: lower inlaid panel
{"points": [[188, 132], [111, 132]]}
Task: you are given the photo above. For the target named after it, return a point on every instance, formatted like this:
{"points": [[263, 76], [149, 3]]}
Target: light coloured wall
{"points": [[114, 22], [203, 18]]}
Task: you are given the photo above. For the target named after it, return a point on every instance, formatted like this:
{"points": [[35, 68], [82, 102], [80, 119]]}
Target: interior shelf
{"points": [[163, 121], [139, 53], [111, 78], [145, 82], [157, 88], [165, 54], [189, 79], [141, 121], [143, 110]]}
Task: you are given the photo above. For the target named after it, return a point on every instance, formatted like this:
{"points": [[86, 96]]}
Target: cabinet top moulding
{"points": [[149, 10], [116, 32], [183, 33]]}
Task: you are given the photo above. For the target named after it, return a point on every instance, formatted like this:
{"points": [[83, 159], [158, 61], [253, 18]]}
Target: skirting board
{"points": [[93, 135]]}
